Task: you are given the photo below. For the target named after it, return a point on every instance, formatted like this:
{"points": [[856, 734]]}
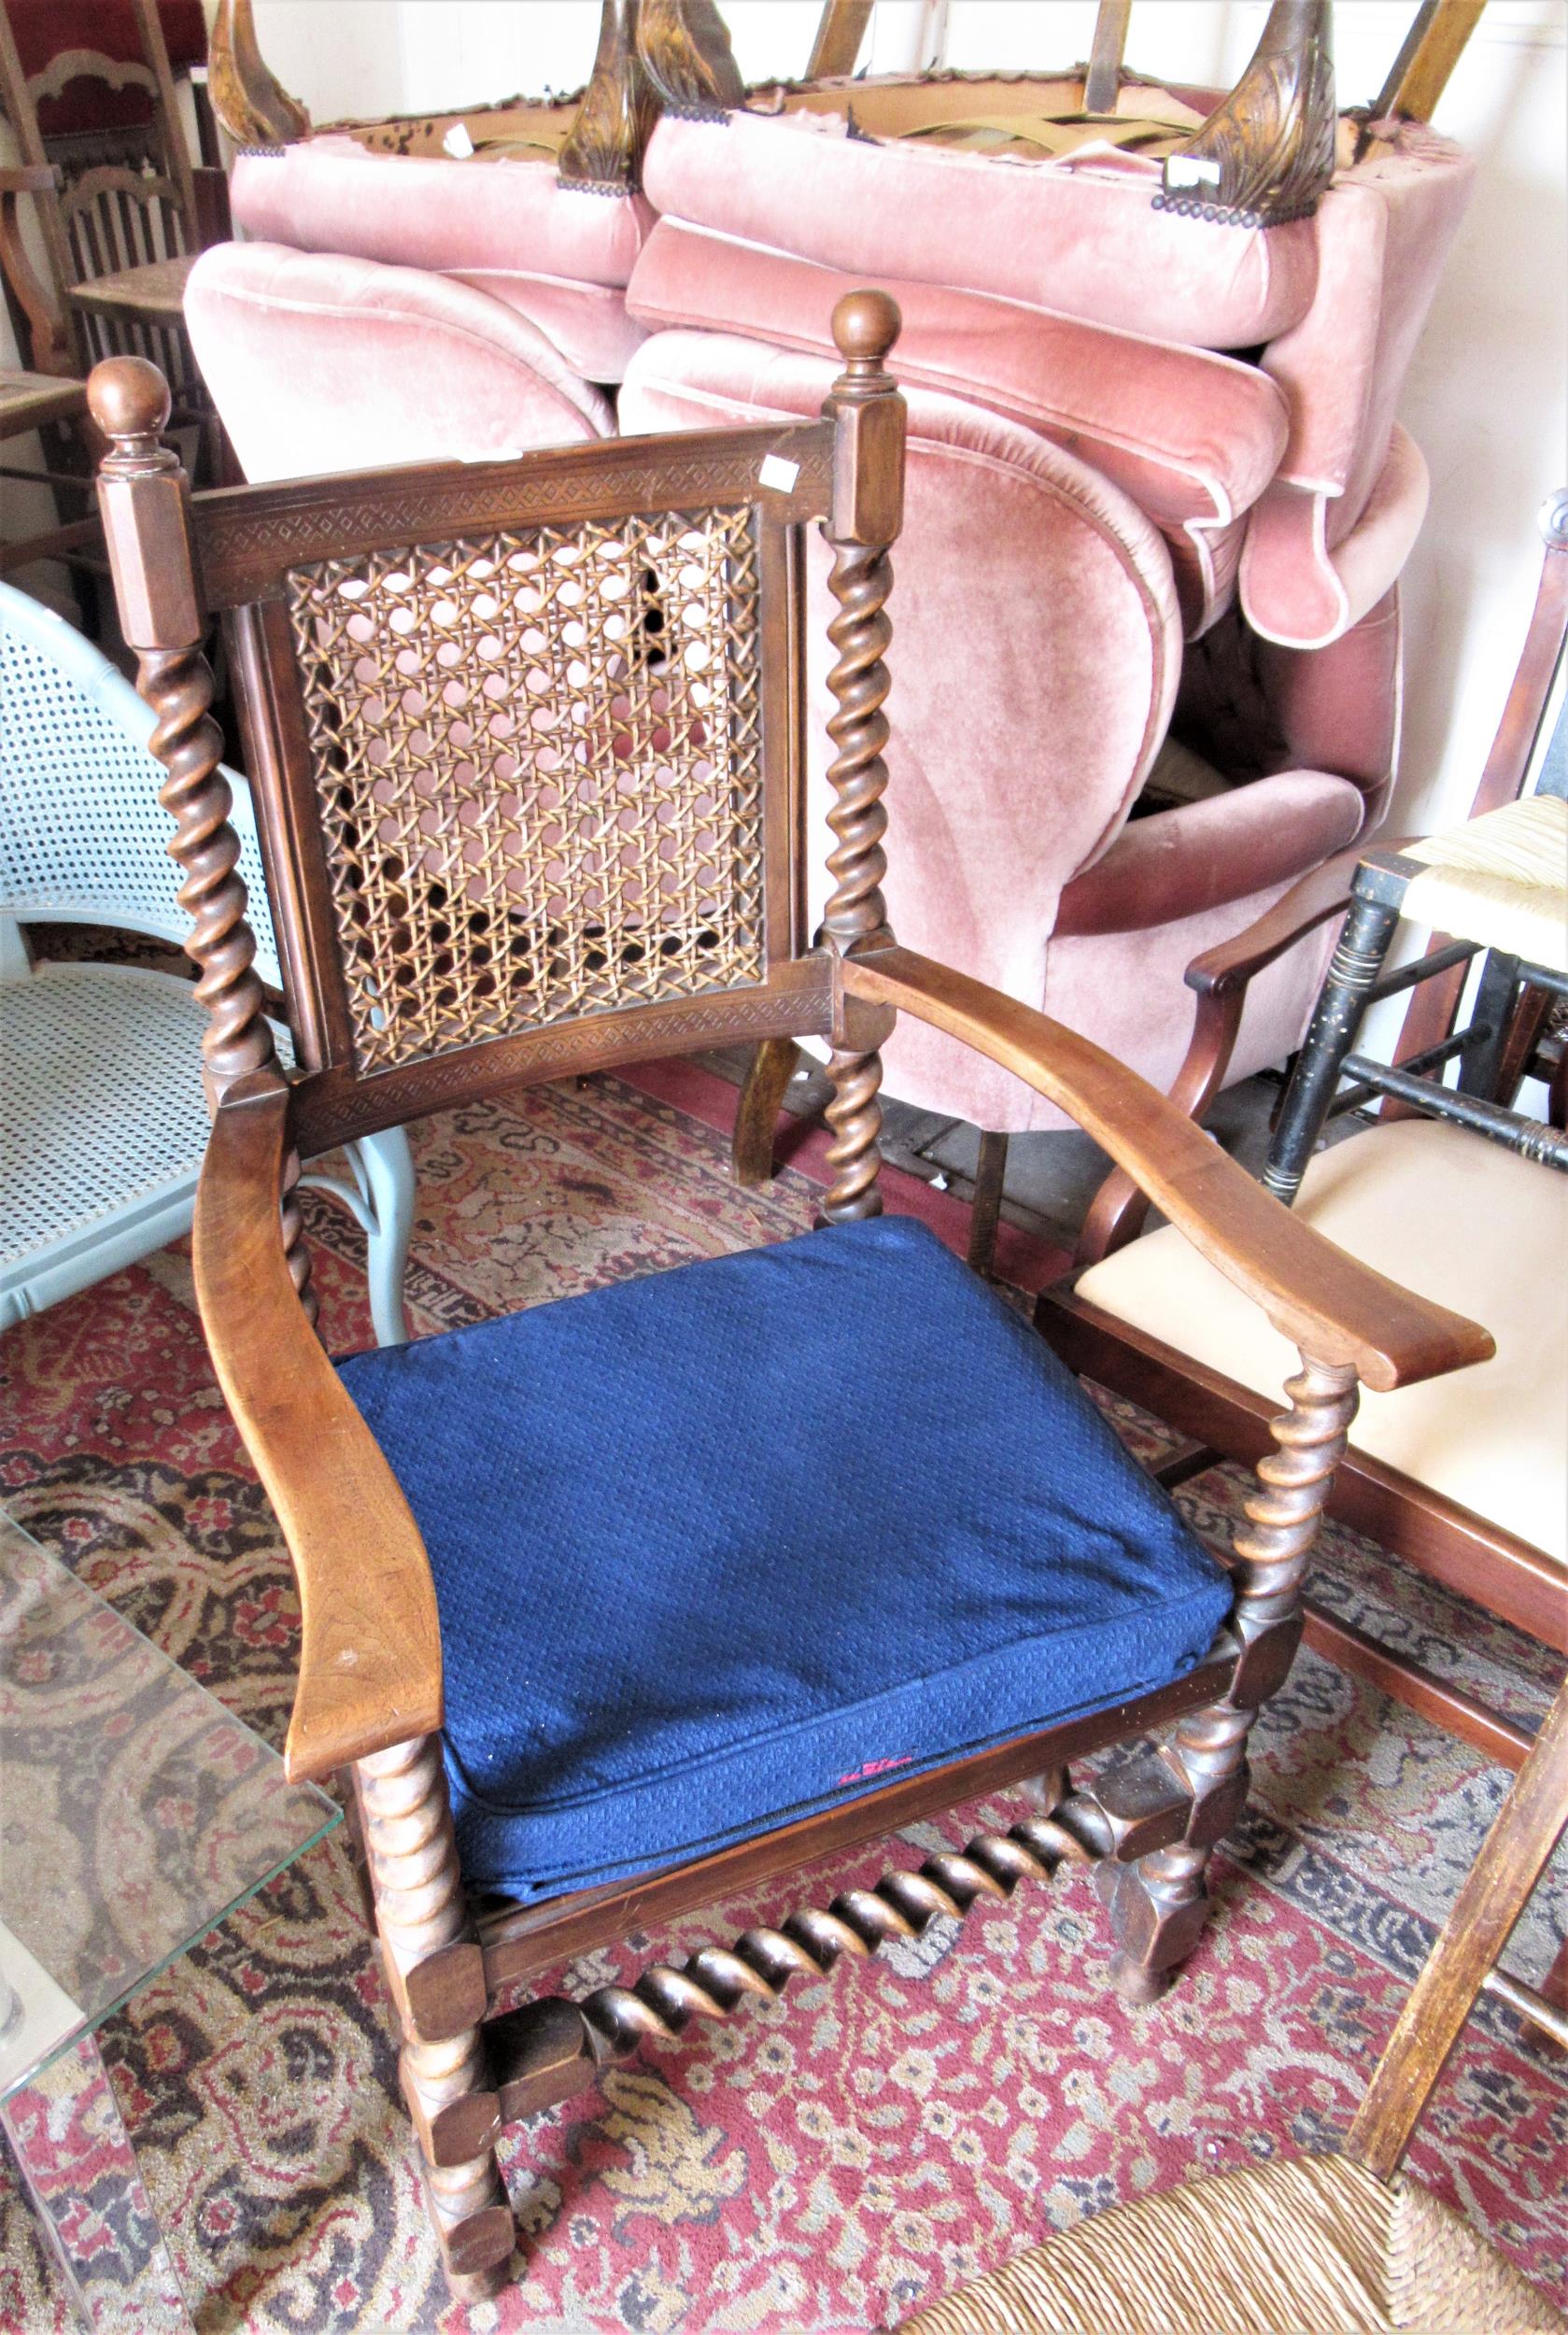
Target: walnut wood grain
{"points": [[154, 292], [370, 1653], [31, 401], [840, 31], [1494, 1894], [248, 99], [1421, 71], [1323, 1301]]}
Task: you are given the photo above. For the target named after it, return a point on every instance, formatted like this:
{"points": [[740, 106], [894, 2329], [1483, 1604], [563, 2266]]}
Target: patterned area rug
{"points": [[824, 2164]]}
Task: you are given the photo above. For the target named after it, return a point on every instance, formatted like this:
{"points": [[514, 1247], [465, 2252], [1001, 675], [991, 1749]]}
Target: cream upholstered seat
{"points": [[1466, 1221]]}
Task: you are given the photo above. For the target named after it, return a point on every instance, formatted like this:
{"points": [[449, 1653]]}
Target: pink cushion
{"points": [[1195, 438], [559, 255], [1127, 990], [319, 363], [1207, 854], [1076, 235]]}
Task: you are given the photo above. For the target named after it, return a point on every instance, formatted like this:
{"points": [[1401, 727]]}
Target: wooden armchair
{"points": [[1475, 1501], [527, 739]]}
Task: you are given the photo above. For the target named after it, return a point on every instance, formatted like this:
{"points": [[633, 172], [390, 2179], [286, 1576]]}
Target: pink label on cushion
{"points": [[875, 1767]]}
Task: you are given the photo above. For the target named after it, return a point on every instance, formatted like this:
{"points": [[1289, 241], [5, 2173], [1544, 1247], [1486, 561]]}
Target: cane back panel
{"points": [[528, 741]]}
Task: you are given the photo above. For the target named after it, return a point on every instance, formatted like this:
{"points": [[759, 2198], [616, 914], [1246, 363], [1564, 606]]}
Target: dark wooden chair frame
{"points": [[1453, 1546], [369, 1698]]}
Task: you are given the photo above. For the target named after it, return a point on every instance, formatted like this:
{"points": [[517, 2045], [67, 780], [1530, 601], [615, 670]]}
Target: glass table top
{"points": [[135, 1812]]}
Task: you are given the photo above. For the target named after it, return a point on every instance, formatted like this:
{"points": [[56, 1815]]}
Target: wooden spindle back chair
{"points": [[526, 741], [123, 214]]}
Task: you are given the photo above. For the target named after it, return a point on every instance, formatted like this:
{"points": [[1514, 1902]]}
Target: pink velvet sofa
{"points": [[394, 307], [1158, 501]]}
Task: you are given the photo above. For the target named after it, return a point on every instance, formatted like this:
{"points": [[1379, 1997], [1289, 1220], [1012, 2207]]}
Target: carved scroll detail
{"points": [[1266, 154], [686, 51], [251, 102], [604, 149]]}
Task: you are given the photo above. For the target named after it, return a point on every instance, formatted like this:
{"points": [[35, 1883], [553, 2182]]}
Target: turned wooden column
{"points": [[1159, 1901], [407, 1825], [144, 497], [868, 512]]}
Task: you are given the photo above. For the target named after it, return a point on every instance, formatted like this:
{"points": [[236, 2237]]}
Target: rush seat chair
{"points": [[615, 1605], [1326, 2243]]}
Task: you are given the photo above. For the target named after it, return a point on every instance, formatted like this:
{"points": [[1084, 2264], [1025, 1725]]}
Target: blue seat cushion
{"points": [[721, 1546]]}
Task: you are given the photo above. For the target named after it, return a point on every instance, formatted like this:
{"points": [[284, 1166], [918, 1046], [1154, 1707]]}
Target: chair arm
{"points": [[370, 1653], [1230, 965], [1326, 1303]]}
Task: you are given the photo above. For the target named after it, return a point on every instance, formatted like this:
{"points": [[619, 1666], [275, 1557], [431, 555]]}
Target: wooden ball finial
{"points": [[128, 398], [866, 324]]}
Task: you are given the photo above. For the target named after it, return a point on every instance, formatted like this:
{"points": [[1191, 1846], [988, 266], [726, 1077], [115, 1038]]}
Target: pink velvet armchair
{"points": [[1162, 421]]}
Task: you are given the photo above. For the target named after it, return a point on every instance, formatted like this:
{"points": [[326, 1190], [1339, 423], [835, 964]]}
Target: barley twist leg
{"points": [[419, 1907], [1159, 1901]]}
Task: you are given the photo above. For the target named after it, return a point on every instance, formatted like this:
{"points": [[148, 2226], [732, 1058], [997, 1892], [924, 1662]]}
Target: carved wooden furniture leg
{"points": [[986, 1208], [253, 107], [841, 30], [685, 47], [866, 519], [1427, 56], [1266, 154], [605, 144], [772, 1066], [1103, 80], [1158, 1902], [419, 1907]]}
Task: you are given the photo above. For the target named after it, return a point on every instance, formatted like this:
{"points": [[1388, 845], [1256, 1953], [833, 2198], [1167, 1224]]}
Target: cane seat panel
{"points": [[729, 1543]]}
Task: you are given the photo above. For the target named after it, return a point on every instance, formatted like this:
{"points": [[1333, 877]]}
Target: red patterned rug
{"points": [[823, 2164]]}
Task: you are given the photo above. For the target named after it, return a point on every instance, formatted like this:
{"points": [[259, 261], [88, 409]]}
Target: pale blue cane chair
{"points": [[102, 1122]]}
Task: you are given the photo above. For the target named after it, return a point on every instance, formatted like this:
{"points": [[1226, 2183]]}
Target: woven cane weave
{"points": [[539, 770], [1310, 2245], [1502, 880]]}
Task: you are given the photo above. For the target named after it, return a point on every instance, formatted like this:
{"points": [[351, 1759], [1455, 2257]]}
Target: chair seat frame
{"points": [[368, 1699]]}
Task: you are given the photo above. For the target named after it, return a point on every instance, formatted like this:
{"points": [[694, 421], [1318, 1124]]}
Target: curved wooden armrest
{"points": [[1325, 893], [1332, 1306], [370, 1653]]}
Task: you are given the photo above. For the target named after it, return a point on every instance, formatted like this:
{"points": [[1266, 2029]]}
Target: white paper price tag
{"points": [[778, 474], [457, 143]]}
